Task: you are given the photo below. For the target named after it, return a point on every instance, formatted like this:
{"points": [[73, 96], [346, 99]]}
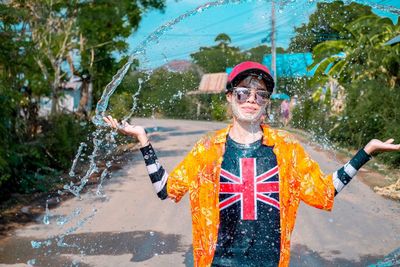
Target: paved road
{"points": [[131, 227]]}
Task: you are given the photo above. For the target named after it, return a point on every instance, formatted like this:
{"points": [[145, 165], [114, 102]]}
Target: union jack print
{"points": [[249, 188]]}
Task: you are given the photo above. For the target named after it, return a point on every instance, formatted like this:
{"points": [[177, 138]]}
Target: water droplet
{"points": [[31, 262], [46, 219], [36, 244]]}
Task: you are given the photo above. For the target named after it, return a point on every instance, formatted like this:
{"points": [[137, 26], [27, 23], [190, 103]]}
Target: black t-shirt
{"points": [[249, 230]]}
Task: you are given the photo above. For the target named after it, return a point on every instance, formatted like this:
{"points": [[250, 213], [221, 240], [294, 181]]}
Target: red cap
{"points": [[244, 69]]}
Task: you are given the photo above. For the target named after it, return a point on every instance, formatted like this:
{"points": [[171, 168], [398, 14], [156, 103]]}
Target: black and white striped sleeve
{"points": [[344, 175], [158, 175]]}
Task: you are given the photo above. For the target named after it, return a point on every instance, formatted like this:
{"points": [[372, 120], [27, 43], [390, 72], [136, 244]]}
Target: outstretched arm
{"points": [[343, 176], [318, 189], [376, 145], [158, 175]]}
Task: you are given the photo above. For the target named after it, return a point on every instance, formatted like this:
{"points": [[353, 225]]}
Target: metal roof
{"points": [[212, 83], [291, 64]]}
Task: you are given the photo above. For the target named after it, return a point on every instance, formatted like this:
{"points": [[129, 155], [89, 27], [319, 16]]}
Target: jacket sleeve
{"points": [[180, 178], [316, 188]]}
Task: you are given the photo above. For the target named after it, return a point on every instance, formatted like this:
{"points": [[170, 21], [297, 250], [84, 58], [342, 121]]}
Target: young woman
{"points": [[246, 181]]}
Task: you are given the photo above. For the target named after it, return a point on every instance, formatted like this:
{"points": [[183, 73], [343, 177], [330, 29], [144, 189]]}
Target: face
{"points": [[249, 106]]}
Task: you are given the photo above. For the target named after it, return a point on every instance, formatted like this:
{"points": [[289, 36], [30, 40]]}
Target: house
{"points": [[69, 100]]}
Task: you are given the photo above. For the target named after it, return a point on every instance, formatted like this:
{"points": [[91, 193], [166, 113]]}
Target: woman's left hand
{"points": [[376, 145]]}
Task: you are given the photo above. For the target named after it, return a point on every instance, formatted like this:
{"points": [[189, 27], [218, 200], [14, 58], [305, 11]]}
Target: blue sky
{"points": [[246, 23]]}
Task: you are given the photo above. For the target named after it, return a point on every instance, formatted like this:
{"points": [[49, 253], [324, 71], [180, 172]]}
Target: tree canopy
{"points": [[37, 39], [328, 22], [217, 58]]}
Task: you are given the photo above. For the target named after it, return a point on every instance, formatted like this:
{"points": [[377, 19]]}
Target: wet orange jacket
{"points": [[300, 178]]}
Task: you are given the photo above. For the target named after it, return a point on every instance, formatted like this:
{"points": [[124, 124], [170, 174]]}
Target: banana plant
{"points": [[362, 56]]}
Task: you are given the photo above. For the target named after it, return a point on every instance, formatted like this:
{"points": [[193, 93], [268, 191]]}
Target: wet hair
{"points": [[250, 80]]}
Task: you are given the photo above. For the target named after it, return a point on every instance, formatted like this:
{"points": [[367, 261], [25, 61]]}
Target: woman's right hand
{"points": [[128, 129]]}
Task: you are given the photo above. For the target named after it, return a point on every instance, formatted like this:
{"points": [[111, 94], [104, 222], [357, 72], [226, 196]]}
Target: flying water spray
{"points": [[101, 108]]}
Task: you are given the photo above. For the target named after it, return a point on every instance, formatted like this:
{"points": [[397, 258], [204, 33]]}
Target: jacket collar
{"points": [[220, 136]]}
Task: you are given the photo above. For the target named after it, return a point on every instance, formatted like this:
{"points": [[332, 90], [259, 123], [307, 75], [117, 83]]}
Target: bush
{"points": [[61, 137], [163, 93], [218, 107], [372, 111], [34, 164]]}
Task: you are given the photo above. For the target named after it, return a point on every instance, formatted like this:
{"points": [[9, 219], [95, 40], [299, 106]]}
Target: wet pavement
{"points": [[130, 226]]}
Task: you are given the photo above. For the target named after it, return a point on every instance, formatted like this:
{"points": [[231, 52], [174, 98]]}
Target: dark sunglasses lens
{"points": [[261, 97], [242, 94]]}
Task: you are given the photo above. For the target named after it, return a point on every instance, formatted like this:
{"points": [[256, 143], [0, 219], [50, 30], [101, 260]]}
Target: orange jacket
{"points": [[300, 178]]}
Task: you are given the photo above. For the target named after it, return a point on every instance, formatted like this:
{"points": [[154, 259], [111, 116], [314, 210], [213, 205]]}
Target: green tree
{"points": [[163, 93], [59, 28], [369, 71], [363, 56], [257, 53], [223, 38], [115, 22], [217, 58], [50, 27], [328, 22], [36, 38]]}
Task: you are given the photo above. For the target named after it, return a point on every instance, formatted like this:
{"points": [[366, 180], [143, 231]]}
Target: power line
{"points": [[226, 19], [243, 35]]}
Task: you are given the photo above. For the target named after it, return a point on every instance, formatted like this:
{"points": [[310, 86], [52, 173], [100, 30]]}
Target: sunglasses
{"points": [[243, 93]]}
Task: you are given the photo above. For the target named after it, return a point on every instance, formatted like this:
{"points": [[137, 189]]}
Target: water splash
{"points": [[78, 154], [102, 104], [76, 189], [79, 224], [101, 108], [386, 8], [39, 244], [46, 218], [62, 220], [134, 100], [99, 191], [31, 262]]}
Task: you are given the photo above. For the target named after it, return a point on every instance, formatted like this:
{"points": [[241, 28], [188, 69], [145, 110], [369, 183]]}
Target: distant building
{"points": [[178, 66], [212, 83], [291, 64], [68, 102], [288, 65]]}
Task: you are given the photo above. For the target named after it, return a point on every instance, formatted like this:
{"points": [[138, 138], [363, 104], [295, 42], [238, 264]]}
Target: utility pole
{"points": [[273, 46]]}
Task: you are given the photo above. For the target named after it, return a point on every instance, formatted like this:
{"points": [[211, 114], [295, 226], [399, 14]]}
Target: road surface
{"points": [[130, 226]]}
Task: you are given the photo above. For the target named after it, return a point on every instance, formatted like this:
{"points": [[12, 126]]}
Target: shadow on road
{"points": [[143, 245], [187, 133], [301, 256]]}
